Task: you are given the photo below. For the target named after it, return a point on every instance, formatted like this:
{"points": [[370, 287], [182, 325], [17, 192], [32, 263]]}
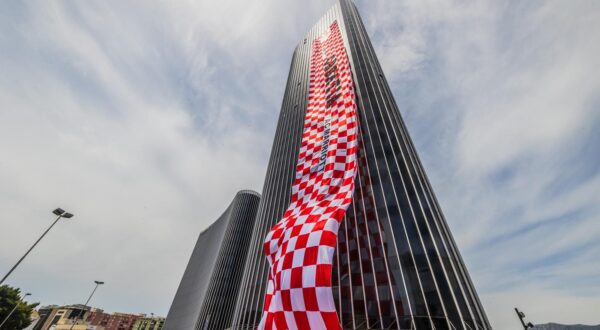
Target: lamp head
{"points": [[59, 211], [67, 215], [99, 282]]}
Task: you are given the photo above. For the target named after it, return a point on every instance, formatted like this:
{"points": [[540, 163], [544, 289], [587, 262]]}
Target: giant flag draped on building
{"points": [[301, 246]]}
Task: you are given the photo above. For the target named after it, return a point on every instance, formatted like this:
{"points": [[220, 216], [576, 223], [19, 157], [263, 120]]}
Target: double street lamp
{"points": [[14, 309], [58, 212]]}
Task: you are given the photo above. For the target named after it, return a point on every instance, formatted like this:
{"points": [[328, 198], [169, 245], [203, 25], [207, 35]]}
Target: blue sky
{"points": [[145, 118]]}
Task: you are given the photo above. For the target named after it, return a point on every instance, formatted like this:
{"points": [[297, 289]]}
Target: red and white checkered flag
{"points": [[301, 246]]}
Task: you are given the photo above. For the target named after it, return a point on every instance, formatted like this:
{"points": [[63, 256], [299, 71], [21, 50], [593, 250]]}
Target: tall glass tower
{"points": [[396, 264]]}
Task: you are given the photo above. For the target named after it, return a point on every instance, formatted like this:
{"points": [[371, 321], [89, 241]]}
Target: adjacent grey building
{"points": [[208, 290], [397, 265]]}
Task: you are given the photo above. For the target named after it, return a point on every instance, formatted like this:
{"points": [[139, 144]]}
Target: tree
{"points": [[21, 317]]}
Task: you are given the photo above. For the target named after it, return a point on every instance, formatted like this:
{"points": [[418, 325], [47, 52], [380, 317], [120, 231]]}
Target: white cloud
{"points": [[142, 119], [501, 103]]}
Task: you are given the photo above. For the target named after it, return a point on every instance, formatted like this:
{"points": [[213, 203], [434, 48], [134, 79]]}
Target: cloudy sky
{"points": [[144, 118]]}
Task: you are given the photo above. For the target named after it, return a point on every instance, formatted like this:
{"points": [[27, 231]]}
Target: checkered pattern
{"points": [[301, 246]]}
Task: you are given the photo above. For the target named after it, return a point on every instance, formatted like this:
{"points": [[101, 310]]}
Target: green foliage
{"points": [[21, 317]]}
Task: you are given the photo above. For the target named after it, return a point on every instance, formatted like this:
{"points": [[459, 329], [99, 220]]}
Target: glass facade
{"points": [[396, 265], [208, 290]]}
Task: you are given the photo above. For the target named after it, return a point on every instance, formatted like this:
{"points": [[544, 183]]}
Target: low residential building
{"points": [[52, 316], [46, 317], [79, 326], [115, 321], [149, 323], [122, 321], [82, 317], [97, 317], [34, 317]]}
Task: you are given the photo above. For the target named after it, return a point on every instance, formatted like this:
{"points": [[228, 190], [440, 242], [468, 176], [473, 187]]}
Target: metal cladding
{"points": [[396, 264], [300, 247], [208, 290]]}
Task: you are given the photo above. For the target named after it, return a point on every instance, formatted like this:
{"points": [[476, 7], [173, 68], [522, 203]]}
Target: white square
{"points": [[308, 276], [291, 245], [315, 320], [279, 264], [273, 246], [301, 218], [336, 202], [287, 234], [314, 238], [276, 303], [325, 299], [323, 190], [339, 166], [325, 255], [298, 259], [307, 228], [333, 226], [270, 286], [286, 279], [297, 298], [317, 210], [290, 320]]}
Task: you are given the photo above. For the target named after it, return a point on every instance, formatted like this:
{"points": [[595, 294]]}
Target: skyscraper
{"points": [[396, 264], [208, 290]]}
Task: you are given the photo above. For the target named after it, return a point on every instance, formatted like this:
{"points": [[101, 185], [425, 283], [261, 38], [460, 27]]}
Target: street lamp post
{"points": [[98, 283], [61, 214], [13, 310], [521, 316]]}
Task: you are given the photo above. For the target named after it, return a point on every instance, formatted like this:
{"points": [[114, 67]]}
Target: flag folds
{"points": [[301, 246]]}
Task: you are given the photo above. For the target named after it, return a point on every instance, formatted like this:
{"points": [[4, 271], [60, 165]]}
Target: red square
{"points": [[301, 241], [331, 320], [287, 260], [280, 322], [312, 218], [323, 275], [277, 280], [286, 300], [310, 255], [301, 320], [296, 278], [320, 225], [328, 238], [296, 230], [310, 299]]}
